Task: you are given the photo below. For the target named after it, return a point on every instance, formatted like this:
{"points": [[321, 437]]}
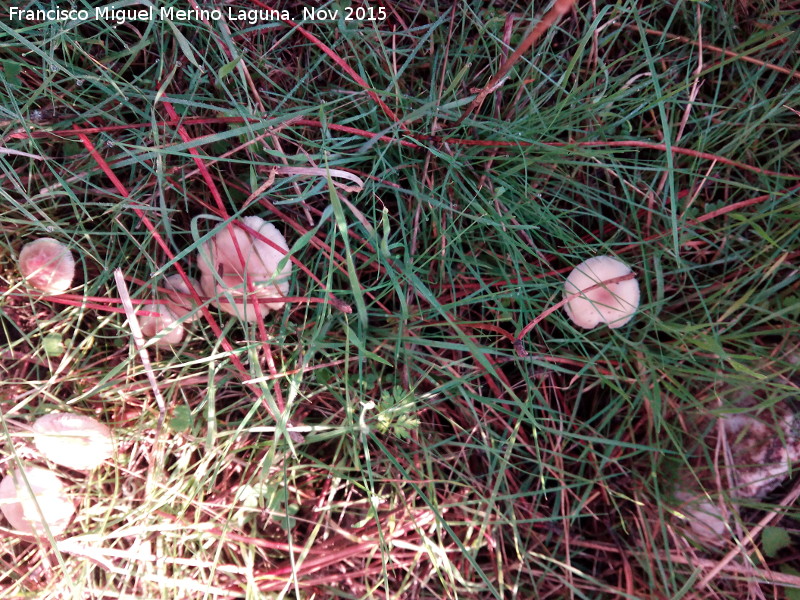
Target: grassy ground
{"points": [[432, 461]]}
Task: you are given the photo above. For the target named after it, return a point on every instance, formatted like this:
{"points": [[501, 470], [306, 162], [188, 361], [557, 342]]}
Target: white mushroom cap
{"points": [[73, 441], [47, 265], [218, 259], [765, 450], [613, 303], [705, 520], [165, 327], [181, 301], [49, 500]]}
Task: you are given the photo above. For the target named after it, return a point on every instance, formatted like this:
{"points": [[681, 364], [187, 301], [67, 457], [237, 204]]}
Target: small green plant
{"points": [[397, 412], [773, 540], [53, 344]]}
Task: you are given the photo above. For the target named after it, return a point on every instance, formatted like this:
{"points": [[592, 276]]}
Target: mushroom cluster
{"points": [[763, 446], [33, 499], [239, 269], [244, 270]]}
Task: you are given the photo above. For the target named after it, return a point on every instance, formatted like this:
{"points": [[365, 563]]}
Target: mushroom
{"points": [[73, 441], [764, 450], [705, 520], [181, 302], [47, 265], [48, 508], [612, 303], [164, 326], [225, 274]]}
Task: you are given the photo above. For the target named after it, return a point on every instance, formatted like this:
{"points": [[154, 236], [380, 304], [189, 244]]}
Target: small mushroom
{"points": [[224, 273], [164, 326], [705, 520], [613, 303], [181, 302], [47, 265], [73, 441], [49, 505]]}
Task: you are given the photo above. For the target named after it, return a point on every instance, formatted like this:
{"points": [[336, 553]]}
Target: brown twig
{"points": [[559, 9], [717, 49]]}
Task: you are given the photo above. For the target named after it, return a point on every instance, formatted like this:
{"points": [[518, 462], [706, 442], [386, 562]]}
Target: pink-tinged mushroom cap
{"points": [[181, 302], [25, 512], [223, 271], [613, 303], [47, 265], [163, 325], [73, 441]]}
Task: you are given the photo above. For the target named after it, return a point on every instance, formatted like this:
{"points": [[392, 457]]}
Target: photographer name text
{"points": [[249, 16]]}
